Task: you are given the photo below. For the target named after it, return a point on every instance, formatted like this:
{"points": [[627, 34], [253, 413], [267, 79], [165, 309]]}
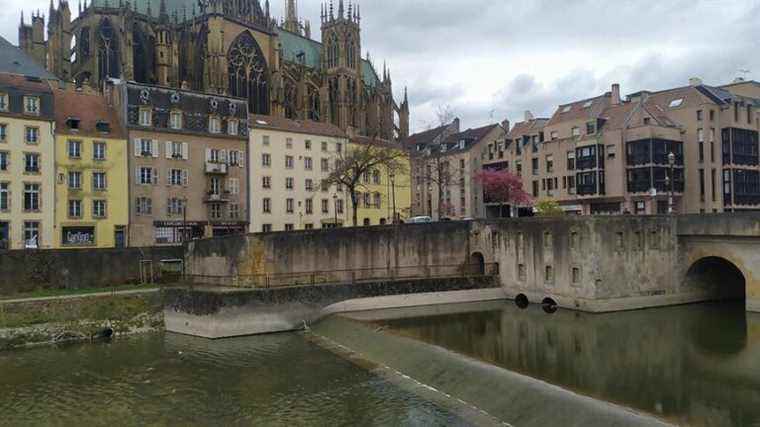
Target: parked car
{"points": [[420, 220]]}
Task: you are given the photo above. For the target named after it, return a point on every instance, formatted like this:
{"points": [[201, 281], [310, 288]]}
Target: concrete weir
{"points": [[223, 312]]}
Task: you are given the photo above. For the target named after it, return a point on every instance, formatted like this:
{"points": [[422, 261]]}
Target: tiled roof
{"points": [[587, 109], [425, 137], [14, 61], [24, 84], [307, 127], [89, 109], [470, 138], [632, 114], [527, 128]]}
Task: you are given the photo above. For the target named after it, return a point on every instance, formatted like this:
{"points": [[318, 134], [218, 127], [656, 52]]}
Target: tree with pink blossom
{"points": [[503, 187]]}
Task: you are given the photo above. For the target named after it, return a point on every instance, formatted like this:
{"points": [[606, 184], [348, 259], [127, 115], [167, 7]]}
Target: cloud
{"points": [[491, 59]]}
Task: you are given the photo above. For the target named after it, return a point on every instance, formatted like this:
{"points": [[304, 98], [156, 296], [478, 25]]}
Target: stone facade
{"points": [[225, 47]]}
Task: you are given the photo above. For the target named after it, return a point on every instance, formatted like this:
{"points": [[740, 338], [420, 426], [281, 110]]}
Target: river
{"points": [[695, 365]]}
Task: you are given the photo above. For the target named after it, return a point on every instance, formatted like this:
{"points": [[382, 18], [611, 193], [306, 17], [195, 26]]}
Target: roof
{"points": [[90, 109], [14, 61], [587, 109], [181, 7], [426, 137], [527, 128], [307, 127], [24, 83], [363, 140], [470, 138], [632, 114]]}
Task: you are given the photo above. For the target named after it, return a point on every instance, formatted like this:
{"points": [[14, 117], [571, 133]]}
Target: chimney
{"points": [[616, 94], [695, 81], [455, 123], [528, 116], [505, 125]]}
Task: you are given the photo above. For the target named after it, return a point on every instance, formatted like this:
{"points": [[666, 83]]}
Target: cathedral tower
{"points": [[31, 38], [59, 40]]}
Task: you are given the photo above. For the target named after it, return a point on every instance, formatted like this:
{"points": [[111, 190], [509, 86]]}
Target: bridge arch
{"points": [[478, 263], [722, 279]]}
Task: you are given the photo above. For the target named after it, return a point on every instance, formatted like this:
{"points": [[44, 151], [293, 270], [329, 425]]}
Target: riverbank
{"points": [[79, 317]]}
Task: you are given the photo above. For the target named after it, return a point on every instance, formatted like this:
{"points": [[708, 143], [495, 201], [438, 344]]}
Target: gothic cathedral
{"points": [[231, 47]]}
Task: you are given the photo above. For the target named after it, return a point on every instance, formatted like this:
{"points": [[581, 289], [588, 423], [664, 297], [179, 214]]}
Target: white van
{"points": [[420, 220]]}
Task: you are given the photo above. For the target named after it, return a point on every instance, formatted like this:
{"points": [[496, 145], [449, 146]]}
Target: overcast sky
{"points": [[494, 59]]}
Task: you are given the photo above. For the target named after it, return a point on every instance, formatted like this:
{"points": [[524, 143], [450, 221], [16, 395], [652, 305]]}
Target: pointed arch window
{"points": [[108, 51], [333, 52], [333, 93], [351, 52], [291, 109], [248, 73], [314, 103]]}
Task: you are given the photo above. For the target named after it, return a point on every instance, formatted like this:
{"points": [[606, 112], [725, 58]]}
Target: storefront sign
{"points": [[78, 236], [179, 223]]}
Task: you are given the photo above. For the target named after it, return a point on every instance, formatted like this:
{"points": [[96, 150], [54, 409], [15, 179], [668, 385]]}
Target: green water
{"points": [[171, 380], [693, 365]]}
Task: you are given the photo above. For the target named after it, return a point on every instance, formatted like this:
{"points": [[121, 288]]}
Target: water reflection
{"points": [[696, 364], [176, 380]]}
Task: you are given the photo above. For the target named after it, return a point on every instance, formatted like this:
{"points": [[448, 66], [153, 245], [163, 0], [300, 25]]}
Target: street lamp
{"points": [[672, 163], [393, 193], [335, 209]]}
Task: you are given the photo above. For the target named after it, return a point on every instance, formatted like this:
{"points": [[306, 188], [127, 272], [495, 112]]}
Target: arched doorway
{"points": [[720, 278], [477, 263]]}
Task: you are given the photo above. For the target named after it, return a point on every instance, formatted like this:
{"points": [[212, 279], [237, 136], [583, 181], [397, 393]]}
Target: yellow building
{"points": [[26, 161], [382, 191], [91, 184]]}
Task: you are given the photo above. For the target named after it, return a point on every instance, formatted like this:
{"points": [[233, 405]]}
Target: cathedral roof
{"points": [[181, 7], [14, 61]]}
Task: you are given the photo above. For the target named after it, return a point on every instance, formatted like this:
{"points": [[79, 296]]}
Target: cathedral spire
{"points": [[341, 9]]}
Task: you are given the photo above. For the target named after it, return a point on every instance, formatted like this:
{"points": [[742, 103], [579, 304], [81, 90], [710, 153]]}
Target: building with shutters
{"points": [[187, 163], [92, 204], [289, 159]]}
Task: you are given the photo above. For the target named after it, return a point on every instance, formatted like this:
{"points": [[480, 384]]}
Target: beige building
{"points": [[187, 163], [606, 155], [289, 160], [444, 164], [27, 162]]}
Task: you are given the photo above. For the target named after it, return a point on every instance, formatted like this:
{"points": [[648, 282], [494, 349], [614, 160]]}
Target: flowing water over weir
{"points": [[456, 365]]}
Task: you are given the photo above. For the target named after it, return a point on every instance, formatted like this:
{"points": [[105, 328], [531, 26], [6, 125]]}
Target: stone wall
{"points": [[23, 271]]}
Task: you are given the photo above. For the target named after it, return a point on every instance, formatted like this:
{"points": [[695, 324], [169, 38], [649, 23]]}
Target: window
{"points": [[712, 115], [73, 123], [571, 160], [5, 196], [289, 227], [700, 135], [554, 135], [534, 166], [308, 226], [367, 200], [75, 208], [376, 177], [232, 127], [175, 206], [32, 135], [699, 115], [676, 103], [214, 125], [75, 149], [266, 182], [233, 186], [266, 160], [175, 120], [99, 151], [289, 183], [307, 144], [146, 147], [3, 102], [31, 197], [99, 181], [289, 206], [535, 188], [288, 143], [265, 140], [309, 184], [32, 105], [233, 158], [32, 234], [324, 146], [4, 160], [175, 177], [307, 163], [216, 186], [233, 211], [147, 176], [309, 206], [266, 228], [325, 165], [3, 132], [146, 117], [611, 151], [144, 206], [325, 206], [32, 163], [550, 164], [590, 128], [215, 211], [701, 151], [338, 147], [288, 162], [378, 201], [103, 127], [266, 204], [702, 185], [339, 206], [575, 131], [75, 180]]}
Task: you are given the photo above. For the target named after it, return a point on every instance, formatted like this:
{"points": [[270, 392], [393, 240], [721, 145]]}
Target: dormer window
{"points": [[103, 127], [146, 117], [576, 131], [214, 125], [4, 102], [175, 120], [32, 105], [232, 127], [676, 103], [72, 123]]}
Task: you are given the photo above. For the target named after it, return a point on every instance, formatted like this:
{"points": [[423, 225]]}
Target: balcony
{"points": [[212, 197], [213, 168]]}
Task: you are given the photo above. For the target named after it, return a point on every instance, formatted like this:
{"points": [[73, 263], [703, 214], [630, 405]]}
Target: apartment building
{"points": [[27, 162], [384, 196], [187, 161], [605, 155], [92, 204], [289, 159], [444, 184]]}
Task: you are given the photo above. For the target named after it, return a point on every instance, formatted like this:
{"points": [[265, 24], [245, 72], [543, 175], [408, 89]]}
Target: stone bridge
{"points": [[594, 264]]}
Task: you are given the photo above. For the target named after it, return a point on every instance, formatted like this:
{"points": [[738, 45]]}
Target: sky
{"points": [[490, 60]]}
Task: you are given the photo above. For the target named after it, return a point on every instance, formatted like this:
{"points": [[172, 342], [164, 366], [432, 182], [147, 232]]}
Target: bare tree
{"points": [[362, 159], [437, 168]]}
